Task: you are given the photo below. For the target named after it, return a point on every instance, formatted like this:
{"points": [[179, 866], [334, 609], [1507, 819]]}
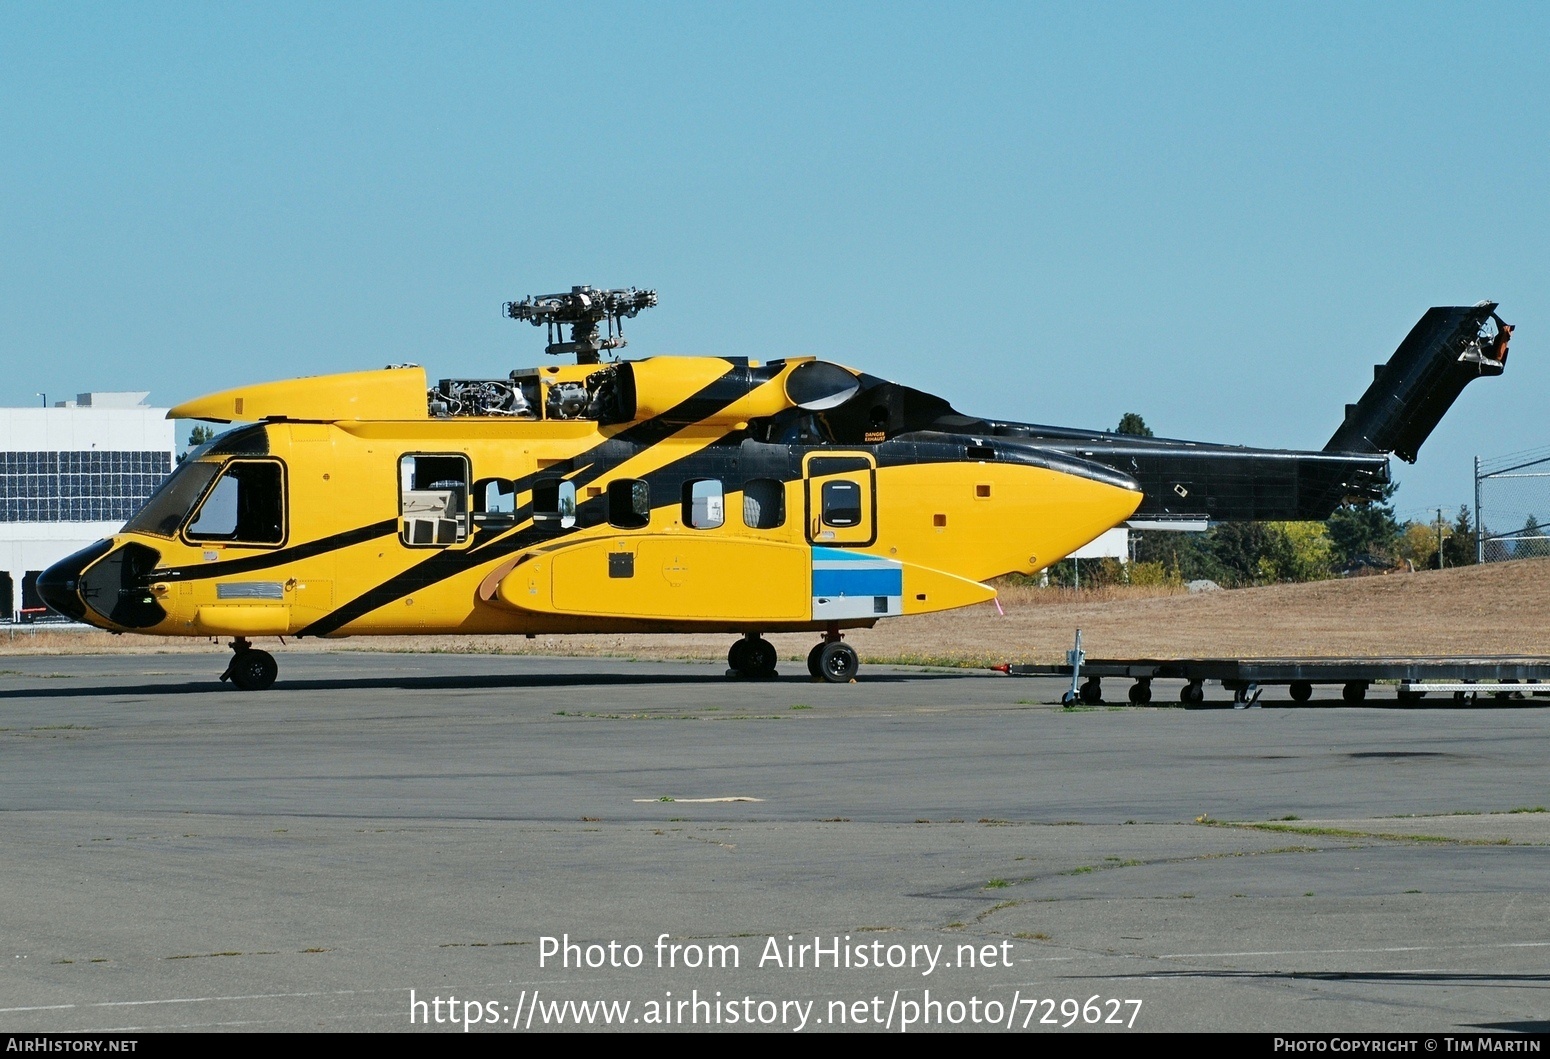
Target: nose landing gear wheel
{"points": [[837, 662], [252, 670]]}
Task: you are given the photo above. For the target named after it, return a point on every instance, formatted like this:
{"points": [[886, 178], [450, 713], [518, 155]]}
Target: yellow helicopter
{"points": [[671, 494]]}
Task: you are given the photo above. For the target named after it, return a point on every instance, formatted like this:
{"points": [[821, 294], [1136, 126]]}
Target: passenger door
{"points": [[841, 499]]}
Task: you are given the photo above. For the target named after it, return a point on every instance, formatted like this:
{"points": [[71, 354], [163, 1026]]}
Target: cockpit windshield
{"points": [[165, 511]]}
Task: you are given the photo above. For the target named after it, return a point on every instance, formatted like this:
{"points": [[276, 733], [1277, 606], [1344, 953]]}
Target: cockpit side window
{"points": [[246, 505], [433, 499], [165, 511]]}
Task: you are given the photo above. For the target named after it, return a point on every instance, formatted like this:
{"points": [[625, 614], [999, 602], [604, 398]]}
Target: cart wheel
{"points": [[1092, 691], [1192, 694], [1354, 691], [1301, 690], [1141, 692]]}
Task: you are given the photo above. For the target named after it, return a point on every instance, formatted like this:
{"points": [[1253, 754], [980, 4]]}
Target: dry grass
{"points": [[1016, 595], [1500, 609]]}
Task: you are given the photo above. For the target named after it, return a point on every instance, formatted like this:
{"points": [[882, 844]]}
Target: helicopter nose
{"points": [[60, 585]]}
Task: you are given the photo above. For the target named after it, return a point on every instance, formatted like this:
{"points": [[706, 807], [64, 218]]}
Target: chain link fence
{"points": [[1512, 506]]}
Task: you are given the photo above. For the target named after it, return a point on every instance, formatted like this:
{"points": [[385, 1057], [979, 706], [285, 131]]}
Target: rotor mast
{"points": [[586, 310]]}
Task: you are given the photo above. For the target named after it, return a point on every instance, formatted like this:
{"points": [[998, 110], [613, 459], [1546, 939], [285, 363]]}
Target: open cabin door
{"points": [[841, 499]]}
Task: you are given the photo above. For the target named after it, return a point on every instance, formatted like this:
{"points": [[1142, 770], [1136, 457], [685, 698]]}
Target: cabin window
{"points": [[246, 505], [433, 499], [629, 503], [703, 506], [495, 502], [764, 503], [554, 500], [842, 503]]}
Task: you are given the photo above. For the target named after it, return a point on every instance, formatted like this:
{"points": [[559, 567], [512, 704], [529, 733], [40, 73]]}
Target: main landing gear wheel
{"points": [[812, 661], [250, 668], [834, 662], [753, 658]]}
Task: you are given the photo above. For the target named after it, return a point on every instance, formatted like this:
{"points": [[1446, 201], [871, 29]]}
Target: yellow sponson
{"points": [[677, 577], [671, 576], [662, 384], [240, 620], [392, 393]]}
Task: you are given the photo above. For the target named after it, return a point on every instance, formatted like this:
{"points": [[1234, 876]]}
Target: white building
{"points": [[69, 476]]}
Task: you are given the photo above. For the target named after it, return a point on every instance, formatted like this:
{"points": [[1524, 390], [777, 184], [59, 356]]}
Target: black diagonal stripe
{"points": [[603, 457], [279, 558]]}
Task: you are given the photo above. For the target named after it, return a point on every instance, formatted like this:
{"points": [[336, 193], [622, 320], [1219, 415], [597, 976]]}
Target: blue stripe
{"points": [[858, 582]]}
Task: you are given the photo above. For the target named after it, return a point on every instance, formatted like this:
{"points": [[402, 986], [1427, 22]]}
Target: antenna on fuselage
{"points": [[584, 308]]}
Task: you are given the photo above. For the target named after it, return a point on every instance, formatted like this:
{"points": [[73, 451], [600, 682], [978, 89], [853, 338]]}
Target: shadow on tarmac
{"points": [[437, 683]]}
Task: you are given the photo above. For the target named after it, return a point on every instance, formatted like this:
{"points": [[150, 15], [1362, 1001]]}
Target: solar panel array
{"points": [[89, 486]]}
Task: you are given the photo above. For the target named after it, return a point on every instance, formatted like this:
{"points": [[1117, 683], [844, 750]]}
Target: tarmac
{"points": [[548, 840]]}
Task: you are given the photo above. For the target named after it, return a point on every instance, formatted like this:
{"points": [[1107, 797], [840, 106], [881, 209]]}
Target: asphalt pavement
{"points": [[555, 842]]}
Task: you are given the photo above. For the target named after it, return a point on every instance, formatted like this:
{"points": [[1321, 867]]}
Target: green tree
{"points": [[1458, 547], [1240, 547], [1132, 424], [1296, 551], [197, 437], [1183, 556], [1532, 542], [1365, 528], [1418, 545]]}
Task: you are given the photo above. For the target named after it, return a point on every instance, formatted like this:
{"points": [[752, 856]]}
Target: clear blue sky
{"points": [[1218, 216]]}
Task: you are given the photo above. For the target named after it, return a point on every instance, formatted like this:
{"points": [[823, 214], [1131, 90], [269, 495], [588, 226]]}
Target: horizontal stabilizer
{"points": [[1445, 350]]}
